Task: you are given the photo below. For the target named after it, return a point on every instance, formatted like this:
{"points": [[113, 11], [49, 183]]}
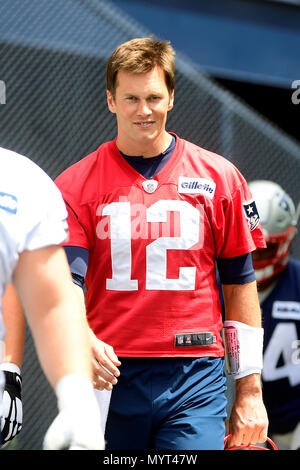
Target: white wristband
{"points": [[244, 348], [10, 367]]}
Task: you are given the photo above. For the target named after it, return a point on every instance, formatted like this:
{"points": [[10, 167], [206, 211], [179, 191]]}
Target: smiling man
{"points": [[150, 214], [141, 106]]}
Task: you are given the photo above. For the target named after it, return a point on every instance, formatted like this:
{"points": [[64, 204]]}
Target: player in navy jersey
{"points": [[150, 215], [278, 278]]}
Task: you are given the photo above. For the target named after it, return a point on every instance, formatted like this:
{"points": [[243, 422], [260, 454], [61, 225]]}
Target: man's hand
{"points": [[248, 421], [105, 362], [78, 423], [104, 359]]}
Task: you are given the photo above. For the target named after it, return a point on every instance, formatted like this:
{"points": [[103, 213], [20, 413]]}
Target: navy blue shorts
{"points": [[168, 404]]}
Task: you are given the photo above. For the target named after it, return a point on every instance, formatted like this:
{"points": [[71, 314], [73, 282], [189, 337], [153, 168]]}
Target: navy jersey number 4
{"points": [[281, 372]]}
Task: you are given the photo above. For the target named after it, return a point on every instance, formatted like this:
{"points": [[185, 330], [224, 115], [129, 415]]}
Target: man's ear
{"points": [[171, 101], [110, 102]]}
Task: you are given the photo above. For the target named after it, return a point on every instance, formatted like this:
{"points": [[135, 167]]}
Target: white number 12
{"points": [[156, 252]]}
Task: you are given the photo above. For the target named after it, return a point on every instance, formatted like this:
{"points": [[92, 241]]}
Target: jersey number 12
{"points": [[156, 251]]}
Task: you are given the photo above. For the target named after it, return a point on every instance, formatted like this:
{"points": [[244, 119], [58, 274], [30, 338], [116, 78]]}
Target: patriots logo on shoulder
{"points": [[251, 213]]}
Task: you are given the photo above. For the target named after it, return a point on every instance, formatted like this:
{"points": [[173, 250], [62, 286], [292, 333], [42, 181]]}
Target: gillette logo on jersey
{"points": [[196, 186]]}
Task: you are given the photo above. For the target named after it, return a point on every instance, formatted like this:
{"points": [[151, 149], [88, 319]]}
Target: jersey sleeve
{"points": [[42, 210], [77, 231], [237, 270], [49, 224], [238, 227], [32, 212]]}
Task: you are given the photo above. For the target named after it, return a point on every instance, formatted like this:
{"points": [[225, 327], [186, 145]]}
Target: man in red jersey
{"points": [[150, 215]]}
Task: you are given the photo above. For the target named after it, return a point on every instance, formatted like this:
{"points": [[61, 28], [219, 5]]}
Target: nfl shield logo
{"points": [[150, 185], [251, 214]]}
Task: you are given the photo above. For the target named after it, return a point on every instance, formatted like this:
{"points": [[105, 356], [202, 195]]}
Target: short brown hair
{"points": [[141, 55]]}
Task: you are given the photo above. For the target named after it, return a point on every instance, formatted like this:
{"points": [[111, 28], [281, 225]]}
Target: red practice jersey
{"points": [[153, 245]]}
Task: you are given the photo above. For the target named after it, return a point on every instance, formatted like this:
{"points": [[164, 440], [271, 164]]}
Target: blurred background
{"points": [[237, 93]]}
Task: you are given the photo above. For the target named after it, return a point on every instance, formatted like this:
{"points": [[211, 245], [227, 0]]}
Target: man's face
{"points": [[141, 104]]}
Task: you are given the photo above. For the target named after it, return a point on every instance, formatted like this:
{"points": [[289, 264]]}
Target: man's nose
{"points": [[144, 108]]}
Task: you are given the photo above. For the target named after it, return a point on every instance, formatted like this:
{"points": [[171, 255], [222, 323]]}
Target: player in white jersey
{"points": [[32, 226]]}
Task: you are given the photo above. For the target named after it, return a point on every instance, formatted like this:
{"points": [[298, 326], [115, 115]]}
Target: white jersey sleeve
{"points": [[32, 212]]}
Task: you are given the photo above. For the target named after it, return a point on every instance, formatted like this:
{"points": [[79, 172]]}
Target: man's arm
{"points": [[45, 288], [43, 282], [104, 359], [14, 321], [248, 421]]}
